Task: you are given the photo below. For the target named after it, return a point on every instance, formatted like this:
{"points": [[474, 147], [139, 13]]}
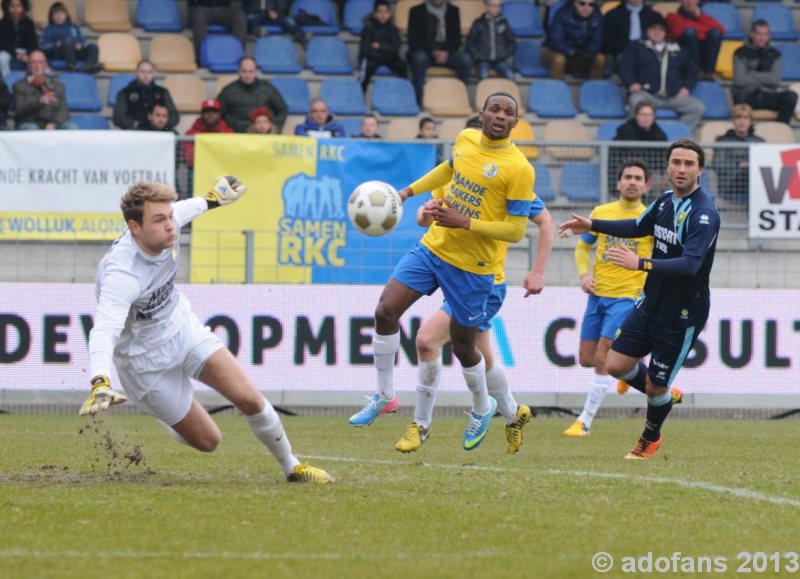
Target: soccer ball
{"points": [[375, 208]]}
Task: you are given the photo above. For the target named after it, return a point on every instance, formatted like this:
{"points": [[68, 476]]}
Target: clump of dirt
{"points": [[113, 453]]}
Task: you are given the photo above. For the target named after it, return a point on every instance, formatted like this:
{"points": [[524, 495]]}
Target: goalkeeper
{"points": [[146, 327]]}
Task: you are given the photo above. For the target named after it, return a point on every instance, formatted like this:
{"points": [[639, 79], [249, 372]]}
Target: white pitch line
{"points": [[700, 485]]}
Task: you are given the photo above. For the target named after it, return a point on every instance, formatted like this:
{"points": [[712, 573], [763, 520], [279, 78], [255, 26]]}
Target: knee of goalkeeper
{"points": [[226, 190]]}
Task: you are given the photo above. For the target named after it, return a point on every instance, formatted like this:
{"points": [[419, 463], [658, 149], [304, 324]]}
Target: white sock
{"points": [[428, 378], [497, 385], [269, 430], [173, 433], [384, 349], [476, 382], [594, 398]]}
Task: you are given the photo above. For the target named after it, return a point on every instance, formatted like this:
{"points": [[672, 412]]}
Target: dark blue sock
{"points": [[638, 379], [658, 408]]}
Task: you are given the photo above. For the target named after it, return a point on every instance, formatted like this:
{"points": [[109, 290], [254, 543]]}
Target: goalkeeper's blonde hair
{"points": [[132, 203]]}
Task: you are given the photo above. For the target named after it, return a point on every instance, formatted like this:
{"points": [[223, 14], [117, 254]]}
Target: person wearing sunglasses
{"points": [[574, 42]]}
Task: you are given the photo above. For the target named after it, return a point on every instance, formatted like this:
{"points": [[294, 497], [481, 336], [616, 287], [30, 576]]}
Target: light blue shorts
{"points": [[493, 305], [603, 316]]}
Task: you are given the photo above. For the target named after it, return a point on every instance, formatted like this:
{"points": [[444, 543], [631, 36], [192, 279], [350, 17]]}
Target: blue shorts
{"points": [[668, 345], [603, 316], [493, 305], [467, 293]]}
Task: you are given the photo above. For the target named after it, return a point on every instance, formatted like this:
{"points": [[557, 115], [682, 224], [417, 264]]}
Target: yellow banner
{"points": [[264, 164], [29, 225]]}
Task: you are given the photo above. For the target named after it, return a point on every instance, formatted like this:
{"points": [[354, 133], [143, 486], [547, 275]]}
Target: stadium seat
{"points": [[401, 11], [159, 15], [394, 97], [675, 130], [608, 6], [221, 53], [524, 19], [446, 97], [550, 98], [352, 126], [343, 95], [543, 187], [775, 132], [764, 115], [608, 130], [294, 91], [188, 92], [524, 132], [551, 11], [116, 84], [40, 8], [224, 80], [107, 15], [90, 122], [82, 91], [469, 11], [276, 55], [567, 130], [328, 56], [172, 53], [402, 129], [119, 51], [791, 60], [666, 8], [580, 181], [291, 122], [354, 14], [527, 59], [488, 86], [326, 11], [724, 66], [715, 99], [666, 114], [13, 77], [710, 130], [602, 99], [780, 19], [708, 181], [728, 15]]}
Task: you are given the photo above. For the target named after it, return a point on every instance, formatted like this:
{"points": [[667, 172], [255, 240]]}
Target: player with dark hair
{"points": [[487, 203], [674, 306], [146, 327]]}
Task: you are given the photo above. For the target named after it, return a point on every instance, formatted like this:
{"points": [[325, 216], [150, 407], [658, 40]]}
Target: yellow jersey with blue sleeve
{"points": [[491, 182], [614, 281]]}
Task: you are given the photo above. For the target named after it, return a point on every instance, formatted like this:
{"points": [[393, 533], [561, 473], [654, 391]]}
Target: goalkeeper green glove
{"points": [[226, 190], [102, 397]]}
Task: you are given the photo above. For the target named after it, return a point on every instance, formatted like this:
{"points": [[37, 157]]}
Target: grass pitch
{"points": [[117, 497]]}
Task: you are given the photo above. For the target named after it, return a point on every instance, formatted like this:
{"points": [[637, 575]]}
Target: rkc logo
{"points": [[788, 180]]}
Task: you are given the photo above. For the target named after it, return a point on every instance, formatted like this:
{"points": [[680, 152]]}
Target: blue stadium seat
{"points": [[276, 55], [551, 98], [524, 19], [675, 130], [328, 56], [82, 91], [394, 97], [607, 131], [791, 60], [551, 11], [602, 99], [159, 15], [58, 64], [13, 77], [218, 29], [324, 9], [544, 183], [580, 181], [707, 181], [343, 95], [666, 114], [221, 53], [527, 59], [90, 122], [728, 15], [713, 96], [352, 126], [116, 84], [294, 91], [355, 11], [780, 20]]}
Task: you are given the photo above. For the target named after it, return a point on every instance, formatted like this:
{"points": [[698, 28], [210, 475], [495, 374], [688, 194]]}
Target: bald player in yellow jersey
{"points": [[487, 203], [612, 290]]}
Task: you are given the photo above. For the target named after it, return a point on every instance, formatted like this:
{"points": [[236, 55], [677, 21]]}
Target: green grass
{"points": [[69, 509]]}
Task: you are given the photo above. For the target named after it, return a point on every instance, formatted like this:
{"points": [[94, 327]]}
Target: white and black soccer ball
{"points": [[375, 208]]}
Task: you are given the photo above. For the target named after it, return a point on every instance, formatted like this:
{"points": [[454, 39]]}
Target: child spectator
{"points": [[63, 40], [380, 44], [261, 122], [17, 34], [427, 128], [491, 42], [369, 127]]}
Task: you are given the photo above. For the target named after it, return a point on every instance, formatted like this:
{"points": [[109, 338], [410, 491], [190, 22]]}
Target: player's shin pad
{"points": [[226, 190], [102, 397]]}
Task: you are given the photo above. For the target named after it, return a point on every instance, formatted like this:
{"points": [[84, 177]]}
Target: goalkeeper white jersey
{"points": [[138, 306]]}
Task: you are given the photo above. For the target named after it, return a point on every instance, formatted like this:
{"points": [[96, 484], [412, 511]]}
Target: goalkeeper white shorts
{"points": [[158, 381]]}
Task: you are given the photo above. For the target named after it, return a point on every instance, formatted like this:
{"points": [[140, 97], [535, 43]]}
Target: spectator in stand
{"points": [[380, 44], [662, 73], [757, 74], [624, 24], [369, 127], [137, 99], [261, 12], [63, 40], [427, 128], [491, 42], [320, 123], [17, 34], [5, 102], [699, 34], [205, 12], [574, 41], [247, 93], [40, 98], [733, 164], [261, 122], [434, 39], [209, 121], [157, 119], [641, 127]]}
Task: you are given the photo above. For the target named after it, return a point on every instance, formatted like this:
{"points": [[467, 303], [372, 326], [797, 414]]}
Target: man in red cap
{"points": [[261, 122], [210, 121]]}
